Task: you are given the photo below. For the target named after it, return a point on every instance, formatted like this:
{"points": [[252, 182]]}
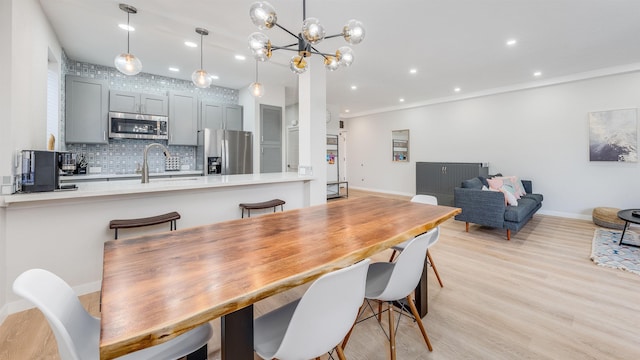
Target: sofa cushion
{"points": [[520, 212], [484, 181], [535, 197], [474, 183]]}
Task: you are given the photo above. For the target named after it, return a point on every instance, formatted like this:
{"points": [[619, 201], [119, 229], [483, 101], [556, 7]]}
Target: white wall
{"points": [[23, 75], [539, 134], [5, 137]]}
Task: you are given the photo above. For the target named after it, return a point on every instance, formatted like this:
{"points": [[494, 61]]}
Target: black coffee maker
{"points": [[40, 171]]}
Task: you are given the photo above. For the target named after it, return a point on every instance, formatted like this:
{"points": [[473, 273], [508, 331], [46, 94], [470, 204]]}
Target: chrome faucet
{"points": [[145, 165]]}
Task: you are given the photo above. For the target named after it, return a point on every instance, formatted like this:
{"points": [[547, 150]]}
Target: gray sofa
{"points": [[488, 208]]}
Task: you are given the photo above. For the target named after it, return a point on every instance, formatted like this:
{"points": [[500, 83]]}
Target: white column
{"points": [[312, 101]]}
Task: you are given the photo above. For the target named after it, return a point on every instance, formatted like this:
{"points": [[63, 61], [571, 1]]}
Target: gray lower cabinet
{"points": [[440, 178], [138, 103], [183, 119], [86, 110], [220, 116]]}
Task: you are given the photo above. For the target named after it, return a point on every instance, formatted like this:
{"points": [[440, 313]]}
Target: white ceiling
{"points": [[451, 43]]}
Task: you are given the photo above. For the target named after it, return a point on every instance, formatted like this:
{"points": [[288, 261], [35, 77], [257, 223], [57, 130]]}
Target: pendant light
{"points": [[256, 89], [200, 77], [127, 63]]}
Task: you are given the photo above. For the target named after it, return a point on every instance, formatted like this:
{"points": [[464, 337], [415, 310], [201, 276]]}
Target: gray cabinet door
{"points": [[86, 110], [270, 158], [211, 115], [138, 103], [154, 104], [271, 138], [232, 117], [183, 119], [124, 101]]}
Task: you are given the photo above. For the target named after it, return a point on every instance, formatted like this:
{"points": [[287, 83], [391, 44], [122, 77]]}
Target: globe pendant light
{"points": [[256, 88], [264, 16], [127, 63], [200, 77]]}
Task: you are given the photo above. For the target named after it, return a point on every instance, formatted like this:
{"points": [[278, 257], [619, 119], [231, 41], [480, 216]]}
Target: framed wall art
{"points": [[613, 135]]}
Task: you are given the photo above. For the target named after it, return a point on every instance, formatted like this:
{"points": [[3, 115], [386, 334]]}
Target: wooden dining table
{"points": [[156, 287]]}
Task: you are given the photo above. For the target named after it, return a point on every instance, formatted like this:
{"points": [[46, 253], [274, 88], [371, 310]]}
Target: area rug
{"points": [[605, 250]]}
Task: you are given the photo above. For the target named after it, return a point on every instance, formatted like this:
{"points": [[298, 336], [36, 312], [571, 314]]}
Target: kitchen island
{"points": [[64, 231]]}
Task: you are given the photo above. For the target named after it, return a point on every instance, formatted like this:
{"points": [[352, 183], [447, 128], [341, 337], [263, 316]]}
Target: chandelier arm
{"points": [[333, 36], [285, 29], [274, 48]]}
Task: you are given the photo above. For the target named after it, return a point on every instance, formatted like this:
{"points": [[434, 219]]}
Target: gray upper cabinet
{"points": [[218, 116], [183, 119], [211, 115], [232, 117], [86, 110], [138, 103]]}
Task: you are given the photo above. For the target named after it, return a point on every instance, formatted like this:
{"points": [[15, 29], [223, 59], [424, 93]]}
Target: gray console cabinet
{"points": [[138, 103], [183, 119], [440, 178], [86, 110]]}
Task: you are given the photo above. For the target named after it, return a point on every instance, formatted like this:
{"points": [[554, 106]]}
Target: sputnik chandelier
{"points": [[263, 15]]}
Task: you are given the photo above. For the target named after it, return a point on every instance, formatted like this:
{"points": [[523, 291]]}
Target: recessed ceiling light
{"points": [[126, 27], [215, 77], [353, 87], [401, 99], [191, 44], [240, 57], [457, 89], [347, 110], [174, 69], [512, 42], [413, 71], [537, 73]]}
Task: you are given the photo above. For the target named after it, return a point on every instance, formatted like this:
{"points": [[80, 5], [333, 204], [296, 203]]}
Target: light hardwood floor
{"points": [[537, 296]]}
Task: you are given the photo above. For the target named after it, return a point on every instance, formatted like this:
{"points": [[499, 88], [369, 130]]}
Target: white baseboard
{"points": [[541, 212], [381, 191], [565, 215], [4, 312], [22, 305]]}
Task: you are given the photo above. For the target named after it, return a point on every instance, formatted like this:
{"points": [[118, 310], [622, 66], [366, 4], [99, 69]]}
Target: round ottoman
{"points": [[607, 217]]}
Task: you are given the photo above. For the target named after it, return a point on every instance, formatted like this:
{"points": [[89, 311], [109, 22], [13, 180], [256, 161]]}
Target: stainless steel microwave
{"points": [[138, 126]]}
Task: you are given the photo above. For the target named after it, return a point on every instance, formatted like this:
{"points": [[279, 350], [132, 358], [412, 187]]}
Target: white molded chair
{"points": [[78, 333], [394, 281], [430, 200], [317, 322]]}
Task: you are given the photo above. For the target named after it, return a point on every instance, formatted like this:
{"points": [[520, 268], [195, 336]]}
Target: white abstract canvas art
{"points": [[613, 135]]}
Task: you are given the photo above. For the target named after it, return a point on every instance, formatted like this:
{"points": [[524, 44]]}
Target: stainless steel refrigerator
{"points": [[225, 152]]}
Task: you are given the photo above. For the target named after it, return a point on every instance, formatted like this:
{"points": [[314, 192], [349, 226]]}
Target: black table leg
{"points": [[624, 230], [421, 291], [237, 335], [200, 354]]}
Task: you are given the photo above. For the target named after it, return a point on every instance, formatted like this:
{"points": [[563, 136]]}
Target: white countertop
{"points": [[123, 187]]}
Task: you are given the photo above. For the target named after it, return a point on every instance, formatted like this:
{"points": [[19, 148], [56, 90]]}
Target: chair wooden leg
{"points": [[379, 311], [392, 333], [393, 255], [435, 270], [508, 234], [414, 311], [467, 226], [346, 338], [340, 353]]}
